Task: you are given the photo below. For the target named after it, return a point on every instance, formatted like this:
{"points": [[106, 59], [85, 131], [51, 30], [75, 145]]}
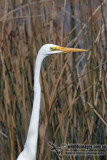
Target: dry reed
{"points": [[74, 86]]}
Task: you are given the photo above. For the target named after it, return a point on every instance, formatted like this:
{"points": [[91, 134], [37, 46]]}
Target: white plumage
{"points": [[30, 147]]}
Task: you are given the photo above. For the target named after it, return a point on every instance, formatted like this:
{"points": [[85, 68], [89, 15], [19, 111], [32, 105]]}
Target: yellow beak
{"points": [[64, 49]]}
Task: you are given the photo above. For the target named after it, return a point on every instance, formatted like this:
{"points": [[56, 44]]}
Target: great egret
{"points": [[30, 147]]}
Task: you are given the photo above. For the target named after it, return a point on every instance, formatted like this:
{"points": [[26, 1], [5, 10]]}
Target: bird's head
{"points": [[49, 49]]}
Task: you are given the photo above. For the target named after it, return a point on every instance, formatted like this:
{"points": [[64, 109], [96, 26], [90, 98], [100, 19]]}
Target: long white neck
{"points": [[30, 147]]}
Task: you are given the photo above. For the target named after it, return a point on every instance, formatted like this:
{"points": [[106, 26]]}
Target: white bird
{"points": [[30, 147]]}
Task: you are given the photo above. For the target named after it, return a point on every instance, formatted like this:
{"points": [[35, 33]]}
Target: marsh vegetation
{"points": [[74, 86]]}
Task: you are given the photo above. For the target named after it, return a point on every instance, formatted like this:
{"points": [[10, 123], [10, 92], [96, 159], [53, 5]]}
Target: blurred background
{"points": [[74, 86]]}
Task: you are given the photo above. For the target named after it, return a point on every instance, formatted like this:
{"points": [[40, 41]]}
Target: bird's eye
{"points": [[53, 49]]}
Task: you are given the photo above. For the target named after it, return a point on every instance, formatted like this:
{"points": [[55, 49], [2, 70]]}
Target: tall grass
{"points": [[74, 86]]}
